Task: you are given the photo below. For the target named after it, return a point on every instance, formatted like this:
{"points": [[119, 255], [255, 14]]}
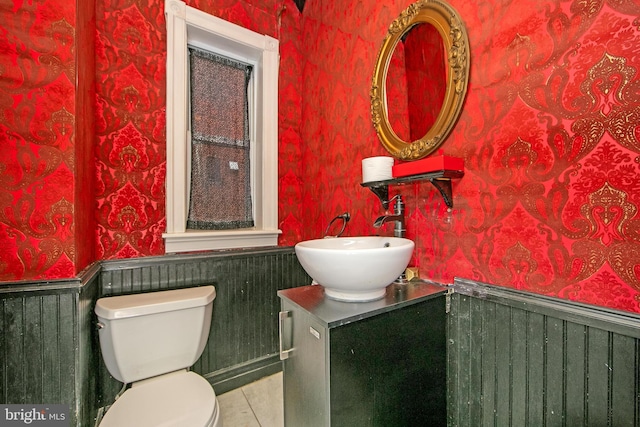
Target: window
{"points": [[189, 27]]}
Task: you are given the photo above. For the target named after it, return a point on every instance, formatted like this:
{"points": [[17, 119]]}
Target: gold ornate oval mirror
{"points": [[420, 79]]}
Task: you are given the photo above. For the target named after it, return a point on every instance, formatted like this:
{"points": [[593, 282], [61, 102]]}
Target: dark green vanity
{"points": [[379, 363]]}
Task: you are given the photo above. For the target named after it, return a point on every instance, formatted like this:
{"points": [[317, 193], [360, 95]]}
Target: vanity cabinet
{"points": [[379, 363]]}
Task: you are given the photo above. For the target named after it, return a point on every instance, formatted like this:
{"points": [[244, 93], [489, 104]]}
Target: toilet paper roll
{"points": [[377, 168]]}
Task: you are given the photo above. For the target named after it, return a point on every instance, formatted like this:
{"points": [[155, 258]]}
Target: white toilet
{"points": [[150, 340]]}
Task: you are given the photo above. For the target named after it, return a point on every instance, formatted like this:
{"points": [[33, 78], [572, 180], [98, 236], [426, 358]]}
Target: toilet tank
{"points": [[149, 334]]}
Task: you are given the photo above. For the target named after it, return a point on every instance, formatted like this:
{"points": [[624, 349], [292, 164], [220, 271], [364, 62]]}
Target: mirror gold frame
{"points": [[456, 43]]}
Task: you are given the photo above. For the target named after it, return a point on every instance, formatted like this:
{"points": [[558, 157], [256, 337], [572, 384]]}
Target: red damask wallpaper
{"points": [[46, 138], [131, 55], [549, 133], [130, 138]]}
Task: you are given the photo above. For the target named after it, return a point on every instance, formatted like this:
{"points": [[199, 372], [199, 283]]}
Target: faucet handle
{"points": [[398, 207]]}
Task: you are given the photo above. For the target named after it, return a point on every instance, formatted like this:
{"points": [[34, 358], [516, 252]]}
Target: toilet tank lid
{"points": [[123, 306]]}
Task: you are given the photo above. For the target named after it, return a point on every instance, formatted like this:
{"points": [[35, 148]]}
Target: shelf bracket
{"points": [[440, 179], [382, 191], [444, 187]]}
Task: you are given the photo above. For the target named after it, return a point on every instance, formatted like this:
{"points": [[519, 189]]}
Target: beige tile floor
{"points": [[258, 404]]}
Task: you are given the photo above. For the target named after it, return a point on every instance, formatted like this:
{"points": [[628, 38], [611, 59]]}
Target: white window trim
{"points": [[189, 25]]}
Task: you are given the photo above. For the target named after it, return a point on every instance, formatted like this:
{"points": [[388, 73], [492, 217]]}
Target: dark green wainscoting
{"points": [[517, 359], [514, 358], [47, 352]]}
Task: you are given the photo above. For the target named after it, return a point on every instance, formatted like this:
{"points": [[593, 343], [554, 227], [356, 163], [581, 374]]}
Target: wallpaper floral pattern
{"points": [[549, 134], [43, 145], [130, 134], [131, 101]]}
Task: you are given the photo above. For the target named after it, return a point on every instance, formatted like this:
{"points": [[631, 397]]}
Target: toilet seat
{"points": [[177, 399]]}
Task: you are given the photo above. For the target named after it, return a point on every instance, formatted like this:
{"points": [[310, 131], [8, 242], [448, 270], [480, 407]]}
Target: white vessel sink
{"points": [[355, 268]]}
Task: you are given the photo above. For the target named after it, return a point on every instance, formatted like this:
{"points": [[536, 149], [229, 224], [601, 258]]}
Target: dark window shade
{"points": [[220, 157]]}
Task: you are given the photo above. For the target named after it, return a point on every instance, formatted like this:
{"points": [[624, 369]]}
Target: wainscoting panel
{"points": [[46, 345], [88, 354], [243, 342], [49, 348], [37, 332], [518, 359]]}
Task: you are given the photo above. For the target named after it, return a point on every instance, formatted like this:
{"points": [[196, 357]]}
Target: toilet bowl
{"points": [[178, 399], [149, 341]]}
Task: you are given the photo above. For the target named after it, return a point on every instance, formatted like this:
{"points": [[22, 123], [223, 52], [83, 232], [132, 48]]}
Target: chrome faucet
{"points": [[398, 217]]}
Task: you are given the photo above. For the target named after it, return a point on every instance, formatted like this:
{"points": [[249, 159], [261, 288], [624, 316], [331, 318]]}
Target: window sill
{"points": [[225, 239]]}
